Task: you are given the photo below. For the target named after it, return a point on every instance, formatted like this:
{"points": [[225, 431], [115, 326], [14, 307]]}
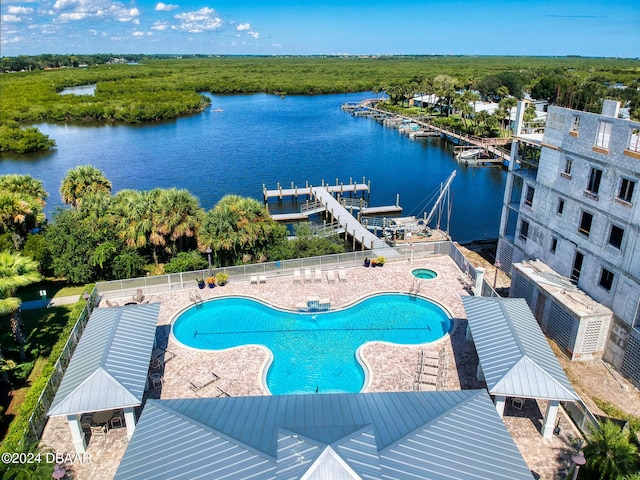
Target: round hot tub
{"points": [[424, 273]]}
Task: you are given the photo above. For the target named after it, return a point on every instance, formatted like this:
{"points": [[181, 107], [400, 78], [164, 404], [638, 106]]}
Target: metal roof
{"points": [[110, 364], [407, 435], [515, 357]]}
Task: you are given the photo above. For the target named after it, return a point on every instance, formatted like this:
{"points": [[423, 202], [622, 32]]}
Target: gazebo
{"points": [[109, 368], [429, 435], [515, 359]]}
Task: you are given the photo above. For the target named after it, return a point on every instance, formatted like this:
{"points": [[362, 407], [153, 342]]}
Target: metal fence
{"points": [[188, 280], [38, 418]]}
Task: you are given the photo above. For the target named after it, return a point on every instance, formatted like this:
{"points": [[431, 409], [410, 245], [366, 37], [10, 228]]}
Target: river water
{"points": [[244, 141]]}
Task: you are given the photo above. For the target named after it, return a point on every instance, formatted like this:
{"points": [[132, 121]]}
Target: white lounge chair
{"points": [[254, 279], [318, 275], [263, 279], [307, 275], [296, 276], [199, 383], [342, 275], [331, 277]]}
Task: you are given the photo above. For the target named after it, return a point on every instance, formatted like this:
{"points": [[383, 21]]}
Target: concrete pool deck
{"points": [[392, 367]]}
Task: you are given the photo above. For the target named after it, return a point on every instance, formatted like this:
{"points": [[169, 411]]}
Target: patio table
{"points": [[102, 417]]}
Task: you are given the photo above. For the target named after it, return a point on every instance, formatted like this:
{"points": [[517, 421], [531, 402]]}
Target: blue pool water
{"points": [[312, 351]]}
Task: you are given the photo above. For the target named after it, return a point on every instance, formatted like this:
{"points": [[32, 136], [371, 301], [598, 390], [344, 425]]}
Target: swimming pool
{"points": [[312, 351]]}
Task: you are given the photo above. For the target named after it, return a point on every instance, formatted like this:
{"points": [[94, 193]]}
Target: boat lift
{"points": [[390, 226]]}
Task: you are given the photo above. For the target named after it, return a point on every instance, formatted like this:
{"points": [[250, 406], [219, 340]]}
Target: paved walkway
{"points": [[50, 302]]}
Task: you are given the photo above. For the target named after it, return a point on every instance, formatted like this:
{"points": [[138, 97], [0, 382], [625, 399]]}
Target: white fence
{"points": [[188, 280]]}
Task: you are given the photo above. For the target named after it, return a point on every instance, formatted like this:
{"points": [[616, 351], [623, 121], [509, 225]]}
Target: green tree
{"points": [[610, 453], [15, 271], [71, 244], [36, 470], [238, 230], [80, 181]]}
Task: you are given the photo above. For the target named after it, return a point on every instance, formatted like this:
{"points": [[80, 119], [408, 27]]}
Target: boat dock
{"points": [[294, 191], [338, 204], [493, 152]]}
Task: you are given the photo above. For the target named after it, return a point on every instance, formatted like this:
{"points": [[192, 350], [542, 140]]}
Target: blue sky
{"points": [[478, 27]]}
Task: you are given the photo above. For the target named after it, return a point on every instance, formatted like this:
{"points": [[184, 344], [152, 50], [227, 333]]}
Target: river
{"points": [[244, 141]]}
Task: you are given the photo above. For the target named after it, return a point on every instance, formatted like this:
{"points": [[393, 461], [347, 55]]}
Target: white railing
{"points": [[189, 280]]}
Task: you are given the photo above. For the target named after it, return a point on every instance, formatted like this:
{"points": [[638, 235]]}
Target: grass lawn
{"points": [[54, 288], [43, 328]]}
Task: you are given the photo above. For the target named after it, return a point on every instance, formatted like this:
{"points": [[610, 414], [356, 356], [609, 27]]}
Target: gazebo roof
{"points": [[426, 435], [109, 367], [515, 357]]}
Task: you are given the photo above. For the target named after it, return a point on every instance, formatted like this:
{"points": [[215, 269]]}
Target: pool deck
{"points": [[392, 367]]}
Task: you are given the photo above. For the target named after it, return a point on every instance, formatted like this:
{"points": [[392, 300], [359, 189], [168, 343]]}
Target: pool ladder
{"points": [[415, 288]]}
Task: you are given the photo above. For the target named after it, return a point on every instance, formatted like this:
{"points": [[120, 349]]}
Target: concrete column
{"points": [[499, 401], [130, 421], [479, 373], [468, 333], [550, 419], [77, 434], [477, 289]]}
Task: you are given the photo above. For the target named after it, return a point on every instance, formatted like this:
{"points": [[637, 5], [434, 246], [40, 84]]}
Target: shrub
{"points": [[186, 262]]}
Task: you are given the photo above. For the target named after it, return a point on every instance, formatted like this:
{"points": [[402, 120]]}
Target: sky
{"points": [[595, 28]]}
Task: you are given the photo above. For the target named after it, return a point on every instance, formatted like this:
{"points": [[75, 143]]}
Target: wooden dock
{"points": [[352, 226], [307, 190], [492, 146]]}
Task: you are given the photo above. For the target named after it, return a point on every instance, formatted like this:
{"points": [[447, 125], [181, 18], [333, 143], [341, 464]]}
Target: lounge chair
{"points": [[342, 275], [222, 393], [199, 383], [331, 277], [307, 275], [318, 275], [263, 279], [160, 356], [254, 279], [296, 276]]}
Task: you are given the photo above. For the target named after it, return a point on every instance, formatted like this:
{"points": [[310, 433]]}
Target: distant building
{"points": [[572, 203]]}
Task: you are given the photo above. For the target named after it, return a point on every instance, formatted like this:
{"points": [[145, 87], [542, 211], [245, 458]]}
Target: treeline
{"points": [[157, 89], [47, 61], [104, 236]]}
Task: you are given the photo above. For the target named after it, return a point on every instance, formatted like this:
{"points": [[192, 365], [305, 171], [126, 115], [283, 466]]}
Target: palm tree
{"points": [[237, 229], [24, 185], [82, 180], [609, 452], [178, 216], [15, 271], [22, 201]]}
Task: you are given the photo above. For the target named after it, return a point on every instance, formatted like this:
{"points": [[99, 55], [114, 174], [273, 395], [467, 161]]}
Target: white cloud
{"points": [[203, 20], [12, 9], [243, 26], [253, 34], [160, 26], [73, 10], [138, 34], [11, 18], [164, 7]]}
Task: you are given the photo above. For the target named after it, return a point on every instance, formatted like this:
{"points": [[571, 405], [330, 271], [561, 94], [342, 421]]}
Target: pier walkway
{"points": [[491, 145], [351, 226]]}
